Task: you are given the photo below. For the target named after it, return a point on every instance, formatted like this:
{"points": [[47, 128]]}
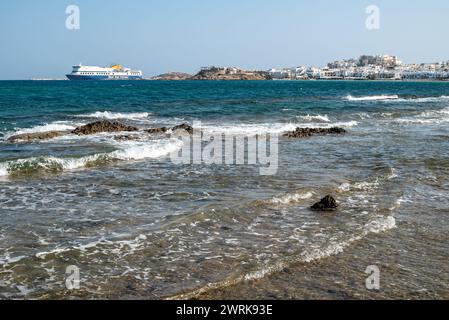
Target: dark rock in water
{"points": [[35, 136], [328, 203], [103, 126], [183, 126], [308, 132], [126, 138], [157, 130]]}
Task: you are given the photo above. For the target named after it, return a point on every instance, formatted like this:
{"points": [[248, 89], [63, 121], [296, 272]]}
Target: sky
{"points": [[160, 36]]}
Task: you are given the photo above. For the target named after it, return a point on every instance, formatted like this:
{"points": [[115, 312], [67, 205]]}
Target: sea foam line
{"points": [[318, 117], [396, 98], [381, 224], [128, 151], [269, 128], [115, 115], [54, 126], [290, 198], [372, 98]]}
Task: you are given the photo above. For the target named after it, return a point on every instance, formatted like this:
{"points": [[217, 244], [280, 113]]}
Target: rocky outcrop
{"points": [[172, 76], [308, 132], [157, 130], [98, 127], [328, 203], [35, 136], [185, 127], [216, 73], [126, 137], [103, 126]]}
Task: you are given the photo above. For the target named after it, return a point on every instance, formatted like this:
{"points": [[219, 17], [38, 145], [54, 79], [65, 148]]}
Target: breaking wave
{"points": [[427, 117], [396, 98], [272, 128], [54, 126], [424, 99], [321, 118], [129, 151], [372, 98], [116, 115]]}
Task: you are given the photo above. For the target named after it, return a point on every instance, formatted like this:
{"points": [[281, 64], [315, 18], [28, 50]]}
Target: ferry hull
{"points": [[97, 78]]}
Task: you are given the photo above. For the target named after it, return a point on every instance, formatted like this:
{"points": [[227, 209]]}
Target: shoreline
{"points": [[337, 277], [221, 80]]}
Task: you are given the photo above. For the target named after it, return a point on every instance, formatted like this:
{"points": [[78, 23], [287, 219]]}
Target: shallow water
{"points": [[137, 225]]}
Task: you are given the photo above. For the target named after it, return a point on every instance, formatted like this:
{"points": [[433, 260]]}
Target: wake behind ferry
{"points": [[114, 72]]}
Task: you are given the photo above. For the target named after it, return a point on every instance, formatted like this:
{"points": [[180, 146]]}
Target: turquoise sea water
{"points": [[138, 225]]}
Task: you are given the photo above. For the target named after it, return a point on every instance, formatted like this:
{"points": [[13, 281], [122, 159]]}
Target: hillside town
{"points": [[366, 67]]}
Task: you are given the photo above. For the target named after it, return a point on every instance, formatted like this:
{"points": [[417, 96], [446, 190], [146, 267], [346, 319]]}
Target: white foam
{"points": [[54, 126], [365, 185], [116, 115], [3, 169], [321, 118], [111, 246], [378, 225], [293, 197], [269, 128], [425, 99], [9, 260], [140, 150], [396, 98], [128, 151], [249, 129], [344, 124], [427, 117], [372, 98], [381, 224]]}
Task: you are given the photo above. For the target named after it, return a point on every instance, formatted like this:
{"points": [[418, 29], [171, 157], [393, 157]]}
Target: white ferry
{"points": [[114, 72]]}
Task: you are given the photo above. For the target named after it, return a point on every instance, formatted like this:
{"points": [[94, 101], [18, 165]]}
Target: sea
{"points": [[102, 217]]}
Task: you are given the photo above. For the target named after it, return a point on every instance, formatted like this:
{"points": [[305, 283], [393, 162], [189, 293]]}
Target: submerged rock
{"points": [[35, 136], [126, 137], [157, 130], [308, 132], [103, 126], [328, 203], [183, 126]]}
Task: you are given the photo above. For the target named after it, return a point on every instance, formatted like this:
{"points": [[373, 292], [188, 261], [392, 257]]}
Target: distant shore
{"points": [[277, 80]]}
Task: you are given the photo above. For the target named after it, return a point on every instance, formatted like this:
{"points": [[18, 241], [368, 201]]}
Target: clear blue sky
{"points": [[183, 35]]}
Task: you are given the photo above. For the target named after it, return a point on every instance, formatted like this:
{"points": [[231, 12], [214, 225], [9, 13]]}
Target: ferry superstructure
{"points": [[114, 72]]}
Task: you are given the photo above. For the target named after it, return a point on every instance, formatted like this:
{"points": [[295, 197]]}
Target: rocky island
{"points": [[229, 73], [216, 73]]}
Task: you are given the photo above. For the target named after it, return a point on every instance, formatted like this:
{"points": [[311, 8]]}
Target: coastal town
{"points": [[366, 67]]}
